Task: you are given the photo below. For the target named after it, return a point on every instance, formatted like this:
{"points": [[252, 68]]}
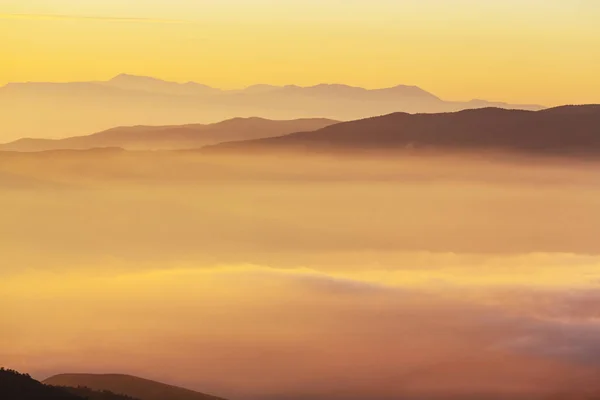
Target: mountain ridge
{"points": [[140, 388], [49, 110], [127, 80], [18, 386], [560, 130], [171, 137]]}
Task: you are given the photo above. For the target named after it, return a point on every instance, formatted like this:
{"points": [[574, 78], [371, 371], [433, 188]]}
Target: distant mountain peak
{"points": [[410, 91], [401, 86], [125, 76], [335, 85], [129, 99], [407, 87], [129, 81]]}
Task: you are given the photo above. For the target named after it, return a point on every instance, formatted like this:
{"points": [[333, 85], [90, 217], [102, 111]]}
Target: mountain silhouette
{"points": [[561, 130], [139, 388], [153, 85], [173, 137], [17, 386], [59, 110]]}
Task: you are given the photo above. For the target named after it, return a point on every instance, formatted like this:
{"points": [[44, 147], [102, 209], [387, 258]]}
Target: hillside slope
{"points": [[559, 131], [17, 386], [58, 110], [173, 137], [140, 388]]}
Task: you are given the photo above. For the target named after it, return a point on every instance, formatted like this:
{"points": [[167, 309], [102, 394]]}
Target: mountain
{"points": [[153, 85], [394, 94], [561, 130], [59, 110], [142, 389], [17, 386], [173, 137]]}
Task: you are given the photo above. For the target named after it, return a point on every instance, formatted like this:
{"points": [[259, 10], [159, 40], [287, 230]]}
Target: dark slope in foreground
{"points": [[173, 137], [17, 386], [89, 394], [562, 130], [142, 389]]}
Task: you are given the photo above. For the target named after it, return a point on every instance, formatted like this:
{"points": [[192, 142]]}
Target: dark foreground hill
{"points": [[89, 394], [17, 386], [142, 389], [568, 130], [173, 137]]}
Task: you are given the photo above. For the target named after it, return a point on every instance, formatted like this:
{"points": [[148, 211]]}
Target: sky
{"points": [[520, 51]]}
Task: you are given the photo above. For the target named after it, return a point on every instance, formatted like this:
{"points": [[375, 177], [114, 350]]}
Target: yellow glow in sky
{"points": [[526, 51]]}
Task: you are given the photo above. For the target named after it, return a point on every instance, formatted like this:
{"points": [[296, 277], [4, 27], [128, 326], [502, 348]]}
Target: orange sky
{"points": [[527, 51]]}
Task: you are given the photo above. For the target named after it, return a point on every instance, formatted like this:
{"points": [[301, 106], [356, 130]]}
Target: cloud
{"points": [[55, 17], [564, 324], [301, 323]]}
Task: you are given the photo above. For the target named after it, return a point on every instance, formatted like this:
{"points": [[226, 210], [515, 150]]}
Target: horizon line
{"points": [[185, 82], [473, 99]]}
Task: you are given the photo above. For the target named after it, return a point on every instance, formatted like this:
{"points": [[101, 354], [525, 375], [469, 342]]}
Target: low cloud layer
{"points": [[311, 332], [350, 281]]}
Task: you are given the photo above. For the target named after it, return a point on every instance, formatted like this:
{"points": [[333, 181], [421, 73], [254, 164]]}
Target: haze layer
{"points": [[281, 277]]}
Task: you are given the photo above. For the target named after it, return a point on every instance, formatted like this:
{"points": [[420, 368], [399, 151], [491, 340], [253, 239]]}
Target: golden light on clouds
{"points": [[223, 319], [423, 276]]}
